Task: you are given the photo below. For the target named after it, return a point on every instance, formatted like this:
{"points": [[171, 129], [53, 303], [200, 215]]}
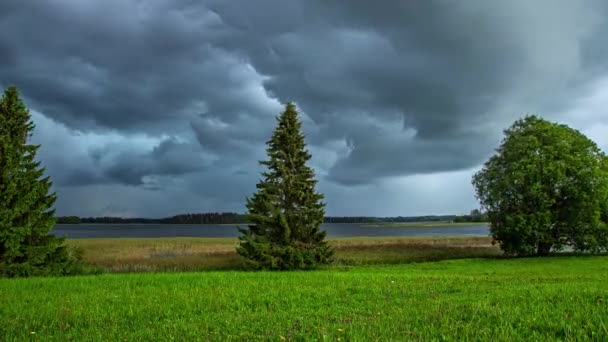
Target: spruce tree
{"points": [[26, 214], [286, 212]]}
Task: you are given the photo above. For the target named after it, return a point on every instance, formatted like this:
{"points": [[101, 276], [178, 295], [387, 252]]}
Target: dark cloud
{"points": [[169, 158], [122, 64], [180, 96], [447, 68], [74, 159]]}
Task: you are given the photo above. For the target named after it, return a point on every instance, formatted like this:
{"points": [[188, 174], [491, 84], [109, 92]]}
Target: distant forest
{"points": [[199, 218], [235, 218]]}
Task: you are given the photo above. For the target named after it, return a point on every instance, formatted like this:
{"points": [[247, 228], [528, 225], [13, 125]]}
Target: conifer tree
{"points": [[26, 214], [286, 212]]}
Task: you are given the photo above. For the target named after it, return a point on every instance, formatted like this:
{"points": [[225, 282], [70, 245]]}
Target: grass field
{"points": [[197, 254], [556, 298], [431, 224]]}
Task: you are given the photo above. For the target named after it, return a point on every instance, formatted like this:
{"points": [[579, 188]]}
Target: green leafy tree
{"points": [[286, 212], [545, 189], [26, 217]]}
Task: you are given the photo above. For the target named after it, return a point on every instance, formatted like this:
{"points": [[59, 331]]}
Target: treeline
{"points": [[68, 220], [371, 219], [235, 218], [195, 218], [206, 218], [474, 216]]}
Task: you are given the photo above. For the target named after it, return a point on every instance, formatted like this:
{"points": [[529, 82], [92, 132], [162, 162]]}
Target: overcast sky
{"points": [[158, 107]]}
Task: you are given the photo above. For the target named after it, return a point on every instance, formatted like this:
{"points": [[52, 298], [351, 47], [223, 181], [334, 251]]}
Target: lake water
{"points": [[334, 230]]}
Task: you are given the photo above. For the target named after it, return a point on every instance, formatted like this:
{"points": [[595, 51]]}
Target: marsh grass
{"points": [[158, 254], [198, 254]]}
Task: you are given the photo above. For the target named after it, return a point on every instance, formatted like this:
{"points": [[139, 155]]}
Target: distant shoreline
{"points": [[151, 224], [422, 224], [364, 225]]}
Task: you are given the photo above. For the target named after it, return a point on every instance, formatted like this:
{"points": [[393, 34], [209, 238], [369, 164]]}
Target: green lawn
{"points": [[556, 298]]}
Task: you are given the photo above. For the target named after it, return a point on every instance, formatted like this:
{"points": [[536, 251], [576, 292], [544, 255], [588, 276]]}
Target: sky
{"points": [[159, 107]]}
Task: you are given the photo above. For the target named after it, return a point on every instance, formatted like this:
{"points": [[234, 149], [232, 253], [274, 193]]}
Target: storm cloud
{"points": [[174, 99]]}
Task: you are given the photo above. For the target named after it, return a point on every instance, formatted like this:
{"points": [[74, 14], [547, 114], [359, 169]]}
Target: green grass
{"points": [[431, 224], [198, 254], [557, 298]]}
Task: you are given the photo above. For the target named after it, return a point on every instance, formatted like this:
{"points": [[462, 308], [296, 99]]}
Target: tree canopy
{"points": [[286, 212], [26, 214], [545, 189]]}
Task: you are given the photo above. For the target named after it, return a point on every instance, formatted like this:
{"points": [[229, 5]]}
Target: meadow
{"points": [[532, 299], [200, 254]]}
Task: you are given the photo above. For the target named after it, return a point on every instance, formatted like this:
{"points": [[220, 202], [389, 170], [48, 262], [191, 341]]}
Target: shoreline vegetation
{"points": [[236, 218], [203, 254], [422, 224], [432, 224]]}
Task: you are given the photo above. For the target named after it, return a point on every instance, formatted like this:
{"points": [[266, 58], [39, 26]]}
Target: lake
{"points": [[334, 230]]}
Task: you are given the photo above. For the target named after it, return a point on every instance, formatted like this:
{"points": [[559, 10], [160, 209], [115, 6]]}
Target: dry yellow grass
{"points": [[158, 254], [191, 254], [411, 241]]}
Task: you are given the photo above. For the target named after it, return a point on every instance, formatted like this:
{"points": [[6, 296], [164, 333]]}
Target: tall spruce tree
{"points": [[286, 212], [26, 214]]}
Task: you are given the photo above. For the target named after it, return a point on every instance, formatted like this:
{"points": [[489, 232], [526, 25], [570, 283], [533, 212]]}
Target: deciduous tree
{"points": [[545, 189]]}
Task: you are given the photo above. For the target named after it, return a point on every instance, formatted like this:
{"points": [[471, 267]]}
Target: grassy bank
{"points": [[423, 224], [557, 298], [196, 254]]}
